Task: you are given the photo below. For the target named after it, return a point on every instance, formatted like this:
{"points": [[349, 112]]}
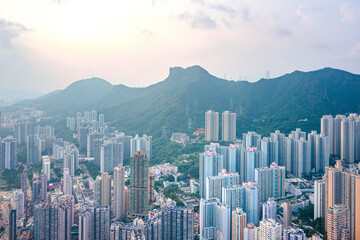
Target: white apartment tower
{"points": [[228, 126], [211, 126]]}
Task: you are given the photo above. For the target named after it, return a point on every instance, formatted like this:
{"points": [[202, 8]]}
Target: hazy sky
{"points": [[46, 45]]}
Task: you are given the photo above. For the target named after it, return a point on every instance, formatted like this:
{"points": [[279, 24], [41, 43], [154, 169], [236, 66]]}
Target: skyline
{"points": [[46, 51]]}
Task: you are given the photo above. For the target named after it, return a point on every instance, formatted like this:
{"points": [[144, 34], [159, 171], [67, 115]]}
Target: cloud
{"points": [[245, 14], [198, 21], [346, 12], [225, 9], [355, 51], [304, 12], [8, 31], [147, 33], [283, 32]]}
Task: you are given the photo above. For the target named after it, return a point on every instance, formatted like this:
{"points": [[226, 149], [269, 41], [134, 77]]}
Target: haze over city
{"points": [[46, 45], [179, 120]]}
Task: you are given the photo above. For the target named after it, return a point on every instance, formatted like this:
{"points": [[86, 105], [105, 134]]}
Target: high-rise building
{"points": [[302, 163], [8, 153], [251, 139], [357, 208], [102, 190], [46, 163], [12, 224], [91, 143], [141, 144], [269, 151], [127, 200], [245, 196], [251, 202], [35, 188], [71, 159], [152, 188], [33, 149], [250, 232], [18, 202], [238, 224], [52, 221], [71, 123], [270, 230], [252, 161], [294, 234], [43, 192], [340, 189], [24, 186], [101, 120], [139, 188], [175, 223], [94, 223], [228, 126], [215, 184], [97, 150], [111, 155], [210, 164], [211, 126], [67, 182], [287, 215], [348, 139], [338, 222], [320, 151], [233, 157], [83, 132], [271, 182], [119, 192], [269, 210], [319, 199], [86, 224], [280, 139], [214, 220]]}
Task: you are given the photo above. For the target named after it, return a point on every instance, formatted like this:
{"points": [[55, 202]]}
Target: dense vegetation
{"points": [[93, 169], [173, 192], [305, 218], [264, 106]]}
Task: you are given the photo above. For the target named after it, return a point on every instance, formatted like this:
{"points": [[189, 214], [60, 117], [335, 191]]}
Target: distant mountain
{"points": [[16, 95], [297, 99]]}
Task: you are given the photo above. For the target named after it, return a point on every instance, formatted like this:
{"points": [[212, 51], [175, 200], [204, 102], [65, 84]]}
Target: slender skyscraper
{"points": [[319, 199], [119, 192], [67, 183], [211, 126], [142, 144], [102, 190], [33, 149], [8, 157], [46, 166], [139, 188], [12, 225], [43, 192], [238, 224], [228, 126], [215, 184]]}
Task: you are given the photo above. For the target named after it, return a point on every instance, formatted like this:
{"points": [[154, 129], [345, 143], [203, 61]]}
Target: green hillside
{"points": [[262, 106]]}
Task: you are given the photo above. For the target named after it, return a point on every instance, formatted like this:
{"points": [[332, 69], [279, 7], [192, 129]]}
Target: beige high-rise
{"points": [[119, 192], [338, 223], [105, 189], [228, 126], [287, 217], [211, 126]]}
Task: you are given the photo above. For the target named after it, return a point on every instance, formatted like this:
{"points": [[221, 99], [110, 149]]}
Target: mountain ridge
{"points": [[261, 105]]}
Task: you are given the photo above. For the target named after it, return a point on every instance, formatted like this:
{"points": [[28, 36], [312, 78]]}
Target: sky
{"points": [[48, 44]]}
